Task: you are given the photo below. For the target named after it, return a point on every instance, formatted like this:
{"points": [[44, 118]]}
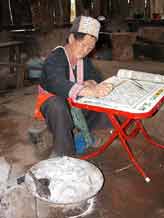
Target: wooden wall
{"points": [[46, 13]]}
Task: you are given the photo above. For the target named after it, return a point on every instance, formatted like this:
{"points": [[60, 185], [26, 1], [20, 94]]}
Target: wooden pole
{"points": [[5, 14], [96, 9], [62, 11], [105, 11], [79, 8], [124, 8]]}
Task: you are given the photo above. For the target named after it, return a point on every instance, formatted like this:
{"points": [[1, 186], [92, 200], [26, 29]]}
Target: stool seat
{"points": [[40, 136]]}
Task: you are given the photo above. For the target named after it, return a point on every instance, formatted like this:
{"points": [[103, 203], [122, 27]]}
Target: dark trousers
{"points": [[59, 121]]}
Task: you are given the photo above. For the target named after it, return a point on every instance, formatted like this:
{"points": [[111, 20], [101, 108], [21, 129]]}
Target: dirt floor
{"points": [[125, 194]]}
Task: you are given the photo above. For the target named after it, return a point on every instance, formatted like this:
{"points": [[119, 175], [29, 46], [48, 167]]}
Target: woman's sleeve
{"points": [[90, 71], [55, 76]]}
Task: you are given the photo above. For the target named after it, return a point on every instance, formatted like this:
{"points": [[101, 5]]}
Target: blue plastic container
{"points": [[34, 67], [80, 144]]}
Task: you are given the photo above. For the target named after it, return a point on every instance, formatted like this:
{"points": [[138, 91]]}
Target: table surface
{"points": [[127, 99]]}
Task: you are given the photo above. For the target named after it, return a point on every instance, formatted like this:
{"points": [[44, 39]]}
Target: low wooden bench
{"points": [[18, 69], [14, 62]]}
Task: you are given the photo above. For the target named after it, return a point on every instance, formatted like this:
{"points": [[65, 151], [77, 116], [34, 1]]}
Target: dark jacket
{"points": [[55, 75]]}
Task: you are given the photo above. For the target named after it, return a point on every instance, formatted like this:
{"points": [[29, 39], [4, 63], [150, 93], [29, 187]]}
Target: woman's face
{"points": [[82, 47]]}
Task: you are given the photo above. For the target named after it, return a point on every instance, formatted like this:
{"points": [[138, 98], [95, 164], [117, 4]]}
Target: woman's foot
{"points": [[100, 136]]}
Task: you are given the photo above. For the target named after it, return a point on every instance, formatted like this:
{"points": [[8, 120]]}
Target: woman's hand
{"points": [[90, 83], [103, 89], [97, 90]]}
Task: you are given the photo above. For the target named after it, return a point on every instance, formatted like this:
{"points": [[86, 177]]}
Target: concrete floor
{"points": [[125, 193]]}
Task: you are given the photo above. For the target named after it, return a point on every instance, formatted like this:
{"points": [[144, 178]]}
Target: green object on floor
{"points": [[80, 123]]}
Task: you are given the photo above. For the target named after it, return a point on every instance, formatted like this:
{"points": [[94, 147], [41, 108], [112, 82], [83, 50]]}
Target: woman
{"points": [[68, 72]]}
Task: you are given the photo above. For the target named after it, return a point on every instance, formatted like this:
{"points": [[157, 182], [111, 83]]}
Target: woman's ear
{"points": [[71, 38]]}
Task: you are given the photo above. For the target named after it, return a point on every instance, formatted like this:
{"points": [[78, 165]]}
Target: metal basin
{"points": [[71, 181]]}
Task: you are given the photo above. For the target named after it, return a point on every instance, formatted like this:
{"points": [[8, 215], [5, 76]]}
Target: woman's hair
{"points": [[77, 36]]}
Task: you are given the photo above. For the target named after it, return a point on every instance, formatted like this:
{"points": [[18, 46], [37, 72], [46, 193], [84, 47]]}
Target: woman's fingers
{"points": [[103, 89], [98, 91]]}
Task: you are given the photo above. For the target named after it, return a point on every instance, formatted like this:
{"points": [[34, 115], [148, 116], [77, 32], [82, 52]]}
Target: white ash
{"points": [[88, 211], [4, 175], [4, 170], [71, 180]]}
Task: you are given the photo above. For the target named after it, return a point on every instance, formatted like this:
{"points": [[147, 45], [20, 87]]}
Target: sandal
{"points": [[96, 142]]}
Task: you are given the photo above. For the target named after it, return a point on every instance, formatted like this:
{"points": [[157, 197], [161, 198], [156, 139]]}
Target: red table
{"points": [[131, 118]]}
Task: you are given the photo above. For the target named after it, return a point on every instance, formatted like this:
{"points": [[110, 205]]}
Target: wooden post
{"points": [[139, 4], [157, 6], [79, 7], [96, 10], [51, 11], [115, 7], [41, 14], [45, 14], [148, 9], [139, 7], [62, 11], [119, 8], [105, 11], [5, 14], [131, 8], [67, 11], [124, 8]]}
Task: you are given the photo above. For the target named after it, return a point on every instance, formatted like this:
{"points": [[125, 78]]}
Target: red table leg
{"points": [[123, 138], [120, 131], [147, 136], [107, 143]]}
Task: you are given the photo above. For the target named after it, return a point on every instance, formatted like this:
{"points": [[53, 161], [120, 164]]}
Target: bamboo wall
{"points": [[46, 13]]}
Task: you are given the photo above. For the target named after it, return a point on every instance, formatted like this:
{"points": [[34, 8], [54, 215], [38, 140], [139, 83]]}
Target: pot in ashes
{"points": [[65, 183]]}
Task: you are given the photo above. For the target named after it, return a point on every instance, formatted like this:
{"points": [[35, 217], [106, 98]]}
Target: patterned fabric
{"points": [[80, 123], [87, 25]]}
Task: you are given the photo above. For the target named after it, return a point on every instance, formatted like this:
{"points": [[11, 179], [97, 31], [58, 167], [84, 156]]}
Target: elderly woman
{"points": [[68, 72]]}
